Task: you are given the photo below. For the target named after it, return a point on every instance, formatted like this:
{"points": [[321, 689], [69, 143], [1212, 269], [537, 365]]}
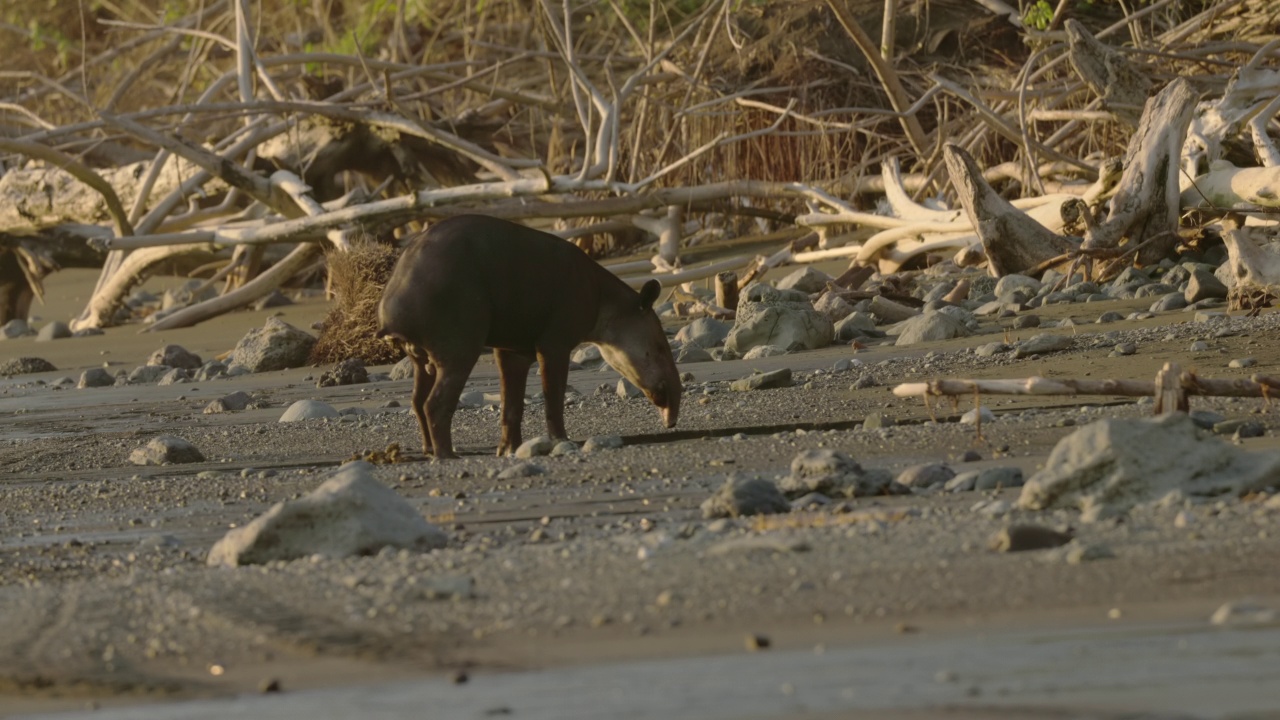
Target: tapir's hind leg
{"points": [[513, 369], [451, 372], [424, 377], [555, 378]]}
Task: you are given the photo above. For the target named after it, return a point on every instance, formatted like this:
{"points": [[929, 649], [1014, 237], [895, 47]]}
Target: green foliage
{"points": [[1038, 15]]}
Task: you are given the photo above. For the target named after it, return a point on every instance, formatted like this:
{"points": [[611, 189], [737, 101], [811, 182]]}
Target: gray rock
{"points": [[1172, 301], [164, 450], [1155, 290], [308, 410], [1106, 468], [350, 514], [55, 330], [764, 351], [587, 356], [742, 496], [1040, 344], [175, 356], [209, 371], [564, 447], [807, 280], [1024, 322], [596, 443], [704, 332], [403, 370], [1242, 363], [1109, 317], [1206, 419], [856, 324], [1124, 348], [26, 366], [767, 316], [145, 375], [971, 417], [521, 470], [1202, 285], [990, 349], [888, 311], [929, 327], [864, 381], [536, 447], [964, 482], [696, 354], [348, 372], [763, 381], [174, 376], [472, 399], [95, 377], [628, 391], [1013, 282], [832, 473], [833, 307], [272, 300], [1019, 538], [15, 328], [925, 476], [999, 477], [1199, 346], [276, 345], [234, 402], [1244, 613]]}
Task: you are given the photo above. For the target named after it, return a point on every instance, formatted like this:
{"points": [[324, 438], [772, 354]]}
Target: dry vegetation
{"points": [[610, 122]]}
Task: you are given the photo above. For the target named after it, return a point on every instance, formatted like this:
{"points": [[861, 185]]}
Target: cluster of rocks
{"points": [[807, 310]]}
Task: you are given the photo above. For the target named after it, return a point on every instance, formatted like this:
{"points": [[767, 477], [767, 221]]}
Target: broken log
{"points": [[1173, 393], [1012, 240], [727, 289], [1147, 204]]}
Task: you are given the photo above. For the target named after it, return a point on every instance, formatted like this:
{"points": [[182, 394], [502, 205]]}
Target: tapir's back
{"points": [[474, 271]]}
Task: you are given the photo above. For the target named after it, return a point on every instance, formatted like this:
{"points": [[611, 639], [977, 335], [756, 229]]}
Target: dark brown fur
{"points": [[472, 282]]}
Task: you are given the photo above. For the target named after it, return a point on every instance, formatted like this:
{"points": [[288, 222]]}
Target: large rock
{"points": [[704, 332], [779, 378], [164, 450], [96, 377], [276, 345], [308, 410], [1106, 468], [856, 324], [1013, 282], [768, 316], [1041, 344], [928, 327], [833, 473], [1202, 285], [55, 330], [833, 307], [25, 366], [175, 356], [807, 280], [741, 496], [351, 513]]}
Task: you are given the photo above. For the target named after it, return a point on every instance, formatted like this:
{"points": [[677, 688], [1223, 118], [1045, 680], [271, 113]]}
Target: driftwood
{"points": [[1170, 388], [1146, 203], [1013, 242], [1121, 86]]}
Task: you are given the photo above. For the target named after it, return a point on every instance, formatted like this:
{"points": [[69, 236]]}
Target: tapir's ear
{"points": [[649, 293]]}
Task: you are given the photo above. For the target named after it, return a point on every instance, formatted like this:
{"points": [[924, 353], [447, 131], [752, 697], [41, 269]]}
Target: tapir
{"points": [[472, 282]]}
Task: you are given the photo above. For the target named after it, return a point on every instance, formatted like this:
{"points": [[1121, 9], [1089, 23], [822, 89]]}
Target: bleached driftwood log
{"points": [[1146, 205], [1013, 242], [1228, 187], [1172, 383]]}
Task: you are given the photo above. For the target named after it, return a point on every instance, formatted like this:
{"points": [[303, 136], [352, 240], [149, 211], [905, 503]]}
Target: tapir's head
{"points": [[631, 339]]}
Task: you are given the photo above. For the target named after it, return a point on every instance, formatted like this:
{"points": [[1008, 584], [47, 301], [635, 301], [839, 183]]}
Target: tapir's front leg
{"points": [[424, 377], [555, 378], [451, 377], [513, 370]]}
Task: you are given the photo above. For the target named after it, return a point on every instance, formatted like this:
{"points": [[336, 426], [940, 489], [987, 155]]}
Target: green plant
{"points": [[1038, 15]]}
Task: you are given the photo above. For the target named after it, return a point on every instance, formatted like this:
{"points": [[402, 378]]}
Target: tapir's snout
{"points": [[669, 416]]}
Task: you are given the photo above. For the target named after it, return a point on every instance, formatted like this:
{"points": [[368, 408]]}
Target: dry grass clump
{"points": [[357, 278]]}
